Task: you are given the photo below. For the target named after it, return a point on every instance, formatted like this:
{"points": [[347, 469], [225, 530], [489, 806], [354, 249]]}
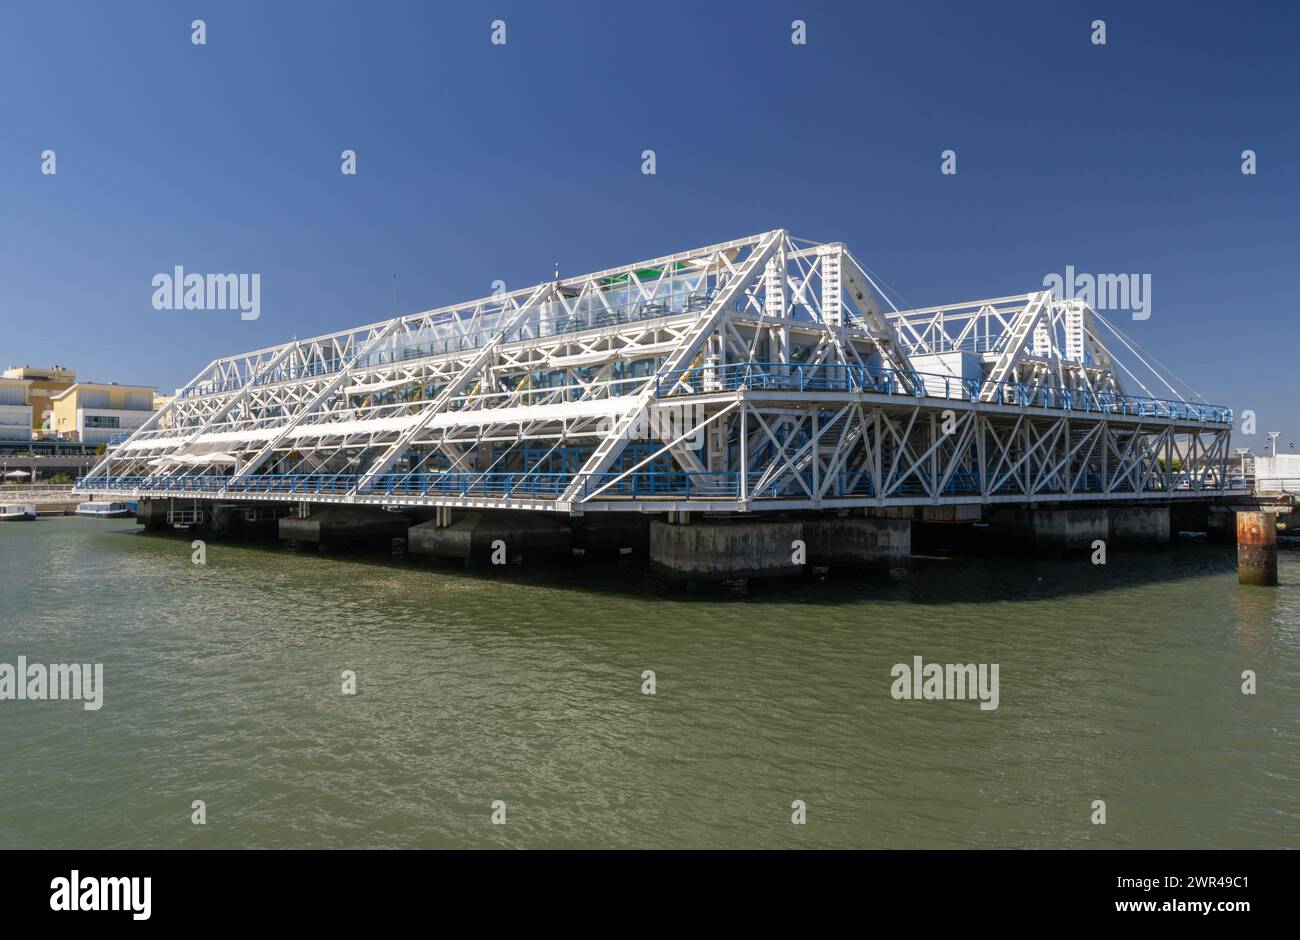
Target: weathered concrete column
{"points": [[494, 537], [1256, 548], [1139, 525], [331, 526], [854, 542], [1050, 529], [725, 550]]}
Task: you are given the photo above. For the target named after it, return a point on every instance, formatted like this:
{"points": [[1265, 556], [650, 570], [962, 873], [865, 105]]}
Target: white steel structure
{"points": [[764, 373]]}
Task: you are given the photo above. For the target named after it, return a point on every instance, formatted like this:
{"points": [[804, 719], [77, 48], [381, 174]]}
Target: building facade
{"points": [[1277, 474], [42, 386], [95, 413], [15, 410]]}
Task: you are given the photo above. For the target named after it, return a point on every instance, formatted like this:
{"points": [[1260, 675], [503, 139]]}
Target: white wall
{"points": [[955, 367], [128, 420], [1271, 471], [16, 422]]}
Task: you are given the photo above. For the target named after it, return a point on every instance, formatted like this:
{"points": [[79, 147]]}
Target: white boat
{"points": [[104, 510], [10, 512]]}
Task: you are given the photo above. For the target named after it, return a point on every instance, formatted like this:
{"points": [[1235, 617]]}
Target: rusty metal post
{"points": [[1256, 548]]}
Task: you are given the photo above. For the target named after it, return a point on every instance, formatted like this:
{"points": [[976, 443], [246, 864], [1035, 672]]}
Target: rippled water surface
{"points": [[1120, 683]]}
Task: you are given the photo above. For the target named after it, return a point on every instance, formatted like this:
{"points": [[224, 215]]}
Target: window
{"points": [[103, 421]]}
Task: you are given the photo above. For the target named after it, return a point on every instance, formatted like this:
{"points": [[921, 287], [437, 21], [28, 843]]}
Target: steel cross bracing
{"points": [[761, 373]]}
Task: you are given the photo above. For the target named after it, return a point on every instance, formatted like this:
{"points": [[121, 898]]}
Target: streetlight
{"points": [[1272, 442]]}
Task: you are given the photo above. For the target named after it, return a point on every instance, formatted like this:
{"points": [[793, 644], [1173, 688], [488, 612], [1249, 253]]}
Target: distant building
{"points": [[43, 385], [15, 409], [95, 412], [1280, 474], [161, 401]]}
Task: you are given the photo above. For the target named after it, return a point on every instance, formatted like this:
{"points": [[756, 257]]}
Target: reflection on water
{"points": [[223, 684]]}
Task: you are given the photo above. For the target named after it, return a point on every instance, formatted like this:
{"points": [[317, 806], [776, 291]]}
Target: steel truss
{"points": [[761, 373]]}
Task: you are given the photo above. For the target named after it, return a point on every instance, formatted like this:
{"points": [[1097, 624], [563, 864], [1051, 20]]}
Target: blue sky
{"points": [[479, 162]]}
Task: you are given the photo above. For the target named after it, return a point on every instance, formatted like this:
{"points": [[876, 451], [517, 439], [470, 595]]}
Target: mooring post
{"points": [[1256, 548]]}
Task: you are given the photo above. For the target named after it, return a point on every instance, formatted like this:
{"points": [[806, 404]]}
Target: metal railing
{"points": [[804, 377], [1278, 486], [641, 484]]}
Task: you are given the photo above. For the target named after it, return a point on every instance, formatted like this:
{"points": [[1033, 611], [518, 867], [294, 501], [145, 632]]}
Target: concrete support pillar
{"points": [[734, 549], [1139, 525], [1256, 548], [337, 526], [724, 551], [851, 543], [494, 537], [1050, 529]]}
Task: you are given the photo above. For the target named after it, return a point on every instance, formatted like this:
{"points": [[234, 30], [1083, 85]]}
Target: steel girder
{"points": [[800, 390]]}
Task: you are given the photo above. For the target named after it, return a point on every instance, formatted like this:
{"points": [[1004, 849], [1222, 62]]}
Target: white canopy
{"points": [[375, 386], [195, 459], [558, 411]]}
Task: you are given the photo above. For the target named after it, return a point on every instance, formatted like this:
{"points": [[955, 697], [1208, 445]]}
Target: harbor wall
{"points": [[494, 537], [336, 526], [702, 548], [1049, 529], [708, 550], [1139, 525]]}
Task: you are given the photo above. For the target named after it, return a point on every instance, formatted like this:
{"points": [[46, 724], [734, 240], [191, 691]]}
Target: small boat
{"points": [[11, 512], [105, 510]]}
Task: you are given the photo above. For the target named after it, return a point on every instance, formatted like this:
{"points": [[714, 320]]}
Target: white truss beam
{"points": [[801, 392]]}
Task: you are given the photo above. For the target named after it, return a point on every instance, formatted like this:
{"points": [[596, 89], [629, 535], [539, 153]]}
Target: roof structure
{"points": [[760, 373]]}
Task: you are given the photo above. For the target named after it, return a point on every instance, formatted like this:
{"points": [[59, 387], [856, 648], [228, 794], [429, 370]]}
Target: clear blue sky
{"points": [[478, 162]]}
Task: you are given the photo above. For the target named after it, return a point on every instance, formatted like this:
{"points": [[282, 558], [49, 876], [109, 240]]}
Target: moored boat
{"points": [[10, 512], [105, 510]]}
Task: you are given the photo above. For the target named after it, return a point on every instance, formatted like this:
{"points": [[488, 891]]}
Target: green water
{"points": [[222, 684]]}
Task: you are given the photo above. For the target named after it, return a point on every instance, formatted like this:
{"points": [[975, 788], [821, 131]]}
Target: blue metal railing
{"points": [[645, 483], [641, 484], [803, 377]]}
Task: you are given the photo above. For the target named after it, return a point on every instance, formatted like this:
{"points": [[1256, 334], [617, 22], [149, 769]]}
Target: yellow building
{"points": [[44, 385], [96, 412], [161, 401]]}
